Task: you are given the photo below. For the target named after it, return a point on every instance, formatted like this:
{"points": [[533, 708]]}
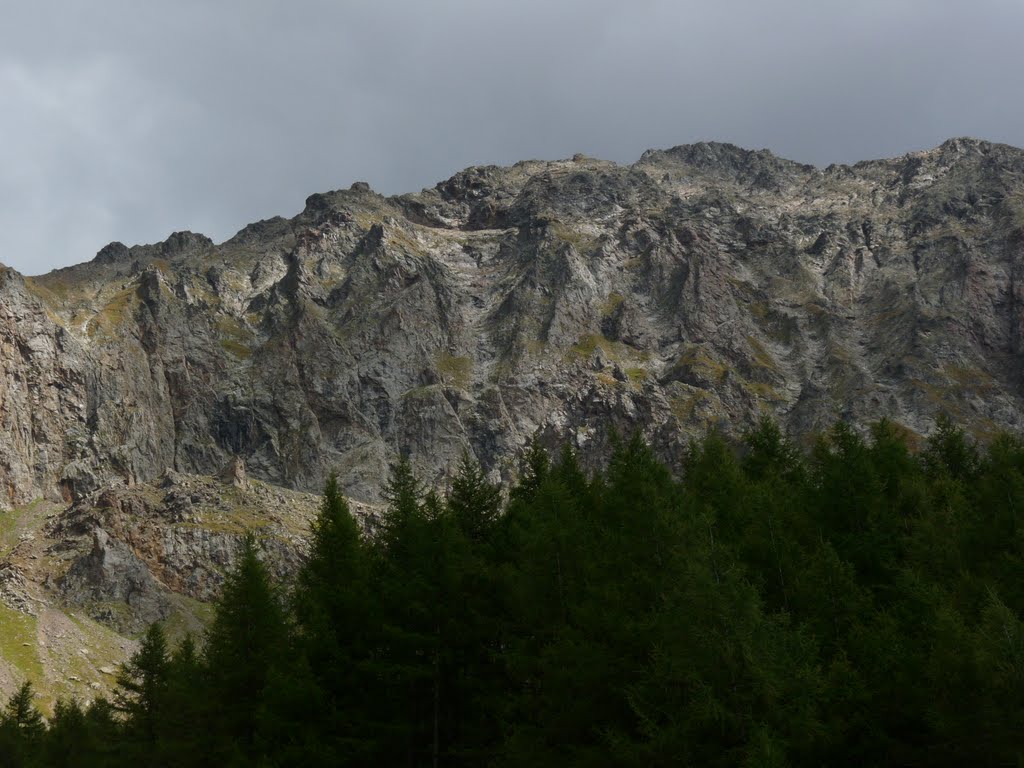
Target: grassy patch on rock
{"points": [[684, 405], [456, 370], [637, 375], [236, 349], [612, 303], [108, 320], [18, 642], [16, 521], [236, 338], [696, 361], [762, 357], [581, 241]]}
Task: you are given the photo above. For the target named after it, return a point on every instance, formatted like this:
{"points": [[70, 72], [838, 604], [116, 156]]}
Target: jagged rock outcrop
{"points": [[703, 285], [110, 573], [79, 582], [44, 398], [234, 473], [127, 552]]}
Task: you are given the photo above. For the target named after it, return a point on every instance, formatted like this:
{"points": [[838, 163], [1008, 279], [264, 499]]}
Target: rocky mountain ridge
{"points": [[701, 286]]}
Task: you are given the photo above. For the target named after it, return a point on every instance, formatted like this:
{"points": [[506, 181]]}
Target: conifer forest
{"points": [[856, 599]]}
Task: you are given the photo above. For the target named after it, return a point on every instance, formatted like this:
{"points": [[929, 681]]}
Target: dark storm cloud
{"points": [[129, 120]]}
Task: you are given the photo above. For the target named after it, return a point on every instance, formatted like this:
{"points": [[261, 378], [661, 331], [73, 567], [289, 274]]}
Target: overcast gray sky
{"points": [[130, 119]]}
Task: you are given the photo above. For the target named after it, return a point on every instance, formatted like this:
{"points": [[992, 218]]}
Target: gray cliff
{"points": [[701, 286]]}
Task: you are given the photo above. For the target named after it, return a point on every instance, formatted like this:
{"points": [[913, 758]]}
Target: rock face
{"points": [[127, 555], [111, 573], [78, 582], [703, 285]]}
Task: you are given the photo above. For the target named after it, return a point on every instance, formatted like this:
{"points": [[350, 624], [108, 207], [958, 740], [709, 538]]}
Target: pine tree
{"points": [[404, 496], [330, 580], [411, 605], [777, 484], [187, 709], [474, 503], [105, 734], [68, 742], [141, 688], [950, 452], [435, 601], [566, 611], [23, 715], [769, 453], [534, 467], [21, 729], [247, 639], [320, 701], [91, 737]]}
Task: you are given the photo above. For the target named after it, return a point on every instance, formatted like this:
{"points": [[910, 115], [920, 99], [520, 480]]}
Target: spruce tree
{"points": [[23, 715], [105, 733], [67, 742], [403, 494], [335, 570], [950, 452], [21, 729], [247, 639], [187, 708], [435, 604], [474, 503], [319, 702], [141, 689], [411, 604], [534, 467]]}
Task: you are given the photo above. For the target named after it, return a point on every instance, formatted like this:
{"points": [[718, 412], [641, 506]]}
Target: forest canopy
{"points": [[856, 604]]}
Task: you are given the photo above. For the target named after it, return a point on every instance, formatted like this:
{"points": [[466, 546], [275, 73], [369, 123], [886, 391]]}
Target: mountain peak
{"points": [[112, 253]]}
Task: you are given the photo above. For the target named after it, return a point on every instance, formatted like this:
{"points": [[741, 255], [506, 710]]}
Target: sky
{"points": [[131, 119]]}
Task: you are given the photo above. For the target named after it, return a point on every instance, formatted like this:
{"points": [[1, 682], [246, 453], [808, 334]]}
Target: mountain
{"points": [[700, 287]]}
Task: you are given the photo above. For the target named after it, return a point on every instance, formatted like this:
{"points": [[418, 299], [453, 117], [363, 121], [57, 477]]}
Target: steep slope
{"points": [[79, 583], [702, 285]]}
